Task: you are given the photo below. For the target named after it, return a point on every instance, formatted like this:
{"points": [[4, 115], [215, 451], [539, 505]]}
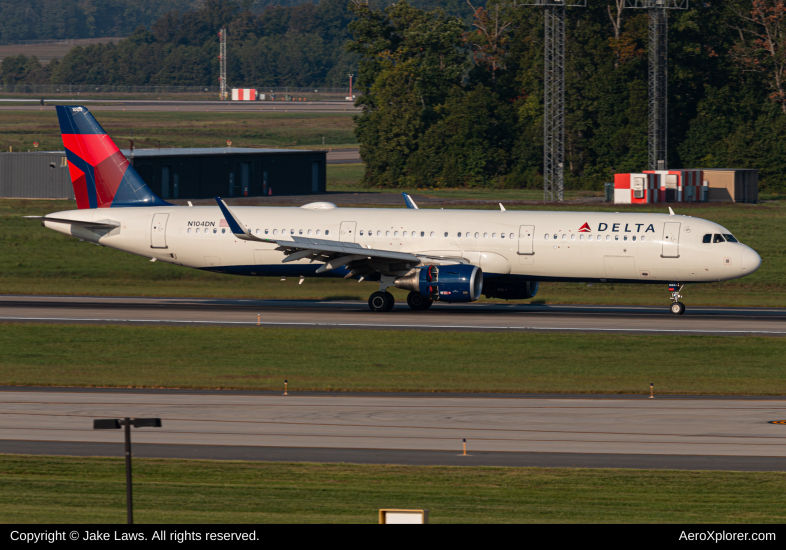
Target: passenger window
{"points": [[616, 237], [573, 237], [291, 231], [581, 237], [501, 235], [300, 232], [477, 235], [395, 233], [405, 233], [608, 237], [634, 238], [387, 233], [266, 230], [189, 230], [318, 232], [197, 231], [309, 232], [493, 235], [459, 234], [707, 239], [589, 237], [547, 236], [223, 231], [327, 231], [564, 237], [432, 234], [718, 238], [446, 233], [555, 237], [275, 232], [361, 232], [379, 233], [642, 237], [485, 235], [422, 233], [215, 231], [730, 238], [625, 238]]}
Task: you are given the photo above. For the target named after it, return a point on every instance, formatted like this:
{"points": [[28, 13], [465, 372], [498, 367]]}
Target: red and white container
{"points": [[244, 94], [636, 188]]}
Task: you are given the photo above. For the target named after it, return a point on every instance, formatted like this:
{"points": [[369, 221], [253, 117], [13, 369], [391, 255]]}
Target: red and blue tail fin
{"points": [[102, 177]]}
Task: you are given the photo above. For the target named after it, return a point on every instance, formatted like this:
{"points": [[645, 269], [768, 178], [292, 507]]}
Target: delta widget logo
{"points": [[585, 228]]}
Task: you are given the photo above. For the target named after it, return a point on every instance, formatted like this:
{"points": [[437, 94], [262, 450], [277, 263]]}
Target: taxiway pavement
{"points": [[516, 317], [630, 432]]}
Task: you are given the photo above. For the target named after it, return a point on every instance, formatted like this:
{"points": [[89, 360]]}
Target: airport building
{"points": [[197, 173]]}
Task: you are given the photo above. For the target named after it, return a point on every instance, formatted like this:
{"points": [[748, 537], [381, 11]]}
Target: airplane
{"points": [[451, 256]]}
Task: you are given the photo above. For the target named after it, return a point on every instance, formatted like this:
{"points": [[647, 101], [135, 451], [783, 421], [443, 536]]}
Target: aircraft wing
{"points": [[99, 224], [359, 259]]}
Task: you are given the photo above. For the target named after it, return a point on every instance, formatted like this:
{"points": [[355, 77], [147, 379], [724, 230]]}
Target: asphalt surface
{"points": [[513, 317], [629, 432], [151, 105]]}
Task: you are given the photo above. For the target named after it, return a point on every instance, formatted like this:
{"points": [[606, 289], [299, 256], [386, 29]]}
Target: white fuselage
{"points": [[630, 247]]}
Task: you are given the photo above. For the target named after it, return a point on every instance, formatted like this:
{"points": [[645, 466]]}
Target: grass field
{"points": [[20, 129], [35, 260], [42, 489], [356, 360]]}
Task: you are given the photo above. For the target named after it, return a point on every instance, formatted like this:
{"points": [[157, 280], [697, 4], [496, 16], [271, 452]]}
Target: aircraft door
{"points": [[347, 233], [158, 231], [526, 234], [671, 240]]}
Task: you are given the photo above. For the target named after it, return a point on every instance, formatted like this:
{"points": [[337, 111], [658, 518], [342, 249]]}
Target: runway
{"points": [[630, 432], [513, 317], [152, 105]]}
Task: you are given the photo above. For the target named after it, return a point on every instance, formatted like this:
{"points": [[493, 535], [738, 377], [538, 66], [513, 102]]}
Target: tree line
{"points": [[449, 102], [453, 90]]}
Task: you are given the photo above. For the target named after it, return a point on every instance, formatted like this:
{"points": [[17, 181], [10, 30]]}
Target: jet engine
{"points": [[445, 283]]}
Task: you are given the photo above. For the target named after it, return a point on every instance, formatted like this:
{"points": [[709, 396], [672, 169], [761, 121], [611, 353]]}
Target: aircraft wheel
{"points": [[678, 308], [416, 301], [381, 301]]}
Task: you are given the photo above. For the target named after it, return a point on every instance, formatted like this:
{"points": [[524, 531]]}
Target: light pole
{"points": [[114, 424], [350, 86]]}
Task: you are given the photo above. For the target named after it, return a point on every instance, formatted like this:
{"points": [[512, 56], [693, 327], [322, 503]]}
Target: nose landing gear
{"points": [[677, 307]]}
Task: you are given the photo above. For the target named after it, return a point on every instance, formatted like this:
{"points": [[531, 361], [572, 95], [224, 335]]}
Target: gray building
{"points": [[178, 173]]}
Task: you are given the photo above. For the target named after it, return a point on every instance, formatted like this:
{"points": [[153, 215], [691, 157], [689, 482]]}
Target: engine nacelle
{"points": [[446, 283], [511, 291]]}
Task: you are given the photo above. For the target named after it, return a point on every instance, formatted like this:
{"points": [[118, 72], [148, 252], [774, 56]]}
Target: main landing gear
{"points": [[677, 307], [384, 301], [416, 301], [381, 301]]}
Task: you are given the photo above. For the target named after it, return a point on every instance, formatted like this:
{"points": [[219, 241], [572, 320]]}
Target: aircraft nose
{"points": [[750, 260]]}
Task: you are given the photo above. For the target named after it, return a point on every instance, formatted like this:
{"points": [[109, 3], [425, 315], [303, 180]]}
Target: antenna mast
{"points": [[554, 94], [222, 58], [658, 81]]}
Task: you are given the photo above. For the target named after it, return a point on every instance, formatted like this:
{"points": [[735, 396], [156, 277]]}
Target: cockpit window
{"points": [[718, 238], [707, 238], [730, 238]]}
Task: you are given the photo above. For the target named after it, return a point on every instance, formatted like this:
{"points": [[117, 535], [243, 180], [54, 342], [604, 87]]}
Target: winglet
{"points": [[671, 212], [410, 203], [234, 224], [502, 208]]}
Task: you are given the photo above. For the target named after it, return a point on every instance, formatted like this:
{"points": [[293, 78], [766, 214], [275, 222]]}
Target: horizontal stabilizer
{"points": [[99, 224]]}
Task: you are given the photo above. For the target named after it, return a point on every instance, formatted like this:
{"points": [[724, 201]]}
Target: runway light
{"points": [[652, 391], [285, 388], [115, 424]]}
